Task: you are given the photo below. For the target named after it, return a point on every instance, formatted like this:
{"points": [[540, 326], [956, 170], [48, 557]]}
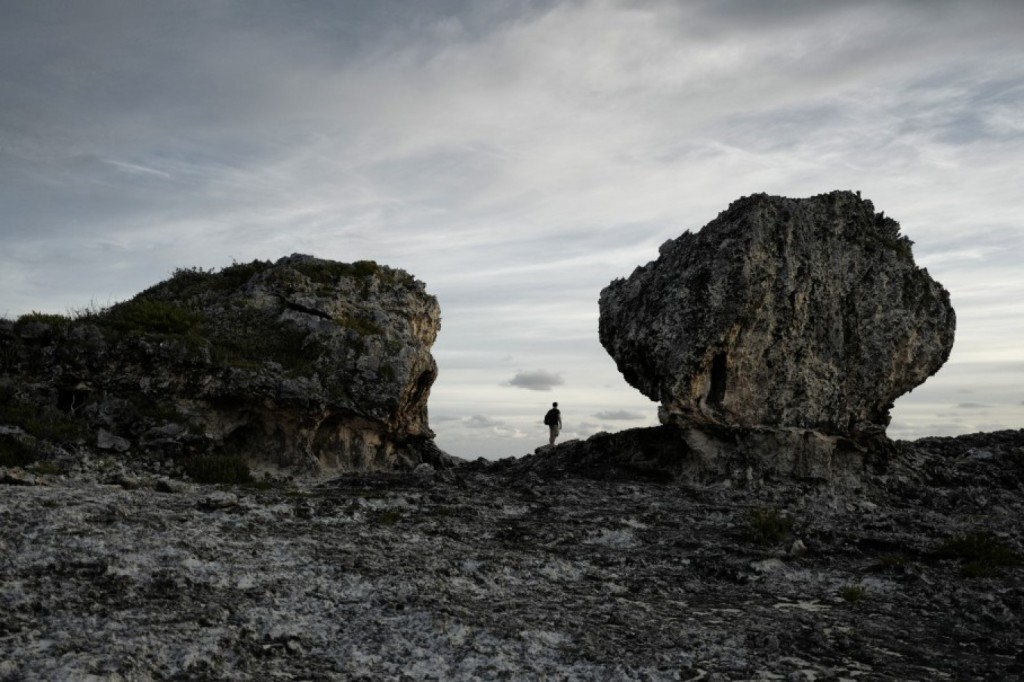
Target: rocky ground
{"points": [[482, 573]]}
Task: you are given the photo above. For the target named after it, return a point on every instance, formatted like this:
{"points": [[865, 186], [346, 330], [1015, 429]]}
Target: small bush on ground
{"points": [[768, 526], [888, 562], [217, 469], [981, 553], [41, 422]]}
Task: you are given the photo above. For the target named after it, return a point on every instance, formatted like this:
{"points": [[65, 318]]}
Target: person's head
{"points": [[554, 404]]}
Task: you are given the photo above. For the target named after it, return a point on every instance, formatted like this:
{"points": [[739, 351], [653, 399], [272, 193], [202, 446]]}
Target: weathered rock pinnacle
{"points": [[805, 313]]}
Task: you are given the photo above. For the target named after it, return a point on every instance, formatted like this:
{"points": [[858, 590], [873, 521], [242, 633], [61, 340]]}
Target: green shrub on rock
{"points": [[329, 272], [360, 325], [146, 316], [42, 318]]}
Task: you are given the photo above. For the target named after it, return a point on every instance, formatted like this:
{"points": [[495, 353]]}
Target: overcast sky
{"points": [[516, 156]]}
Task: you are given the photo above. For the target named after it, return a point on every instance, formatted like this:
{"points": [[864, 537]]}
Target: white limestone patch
{"points": [[560, 570], [616, 538], [812, 606]]}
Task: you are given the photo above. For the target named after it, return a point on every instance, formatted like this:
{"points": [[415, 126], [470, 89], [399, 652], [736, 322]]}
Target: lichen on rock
{"points": [[781, 313], [304, 365]]}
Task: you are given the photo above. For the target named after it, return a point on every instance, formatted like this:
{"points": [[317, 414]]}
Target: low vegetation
{"points": [[359, 325], [218, 469], [852, 593], [42, 318], [980, 553], [14, 453], [329, 272], [247, 337], [891, 562], [768, 526], [41, 422]]}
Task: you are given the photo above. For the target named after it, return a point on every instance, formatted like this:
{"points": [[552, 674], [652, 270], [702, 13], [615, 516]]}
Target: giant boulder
{"points": [[304, 365], [781, 313]]}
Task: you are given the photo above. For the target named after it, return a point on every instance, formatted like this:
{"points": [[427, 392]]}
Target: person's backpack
{"points": [[551, 418]]}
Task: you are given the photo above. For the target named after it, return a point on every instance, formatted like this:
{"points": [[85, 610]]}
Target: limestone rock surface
{"points": [[803, 313], [501, 573], [306, 365]]}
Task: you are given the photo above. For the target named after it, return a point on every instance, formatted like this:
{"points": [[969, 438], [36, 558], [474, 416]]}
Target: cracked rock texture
{"points": [[490, 572], [304, 365], [782, 313]]}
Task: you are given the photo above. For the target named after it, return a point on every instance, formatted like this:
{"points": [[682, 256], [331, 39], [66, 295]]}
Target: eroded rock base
{"points": [[715, 454]]}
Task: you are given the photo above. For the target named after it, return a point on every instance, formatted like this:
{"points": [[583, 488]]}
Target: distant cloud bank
{"points": [[478, 421], [538, 380], [618, 415]]}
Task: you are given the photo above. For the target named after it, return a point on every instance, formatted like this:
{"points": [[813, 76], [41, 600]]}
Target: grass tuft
{"points": [[853, 593], [891, 562]]}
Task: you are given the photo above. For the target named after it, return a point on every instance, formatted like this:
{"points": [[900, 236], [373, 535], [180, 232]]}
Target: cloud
{"points": [[515, 156], [973, 406], [582, 430], [537, 380], [618, 415], [478, 421]]}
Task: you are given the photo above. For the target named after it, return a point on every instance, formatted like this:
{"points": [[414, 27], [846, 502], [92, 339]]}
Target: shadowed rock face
{"points": [[804, 313], [305, 364]]}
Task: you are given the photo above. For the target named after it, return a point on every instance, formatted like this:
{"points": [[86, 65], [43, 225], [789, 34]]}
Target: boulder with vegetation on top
{"points": [[304, 365]]}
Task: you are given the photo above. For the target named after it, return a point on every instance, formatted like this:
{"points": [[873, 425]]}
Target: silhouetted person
{"points": [[553, 419]]}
